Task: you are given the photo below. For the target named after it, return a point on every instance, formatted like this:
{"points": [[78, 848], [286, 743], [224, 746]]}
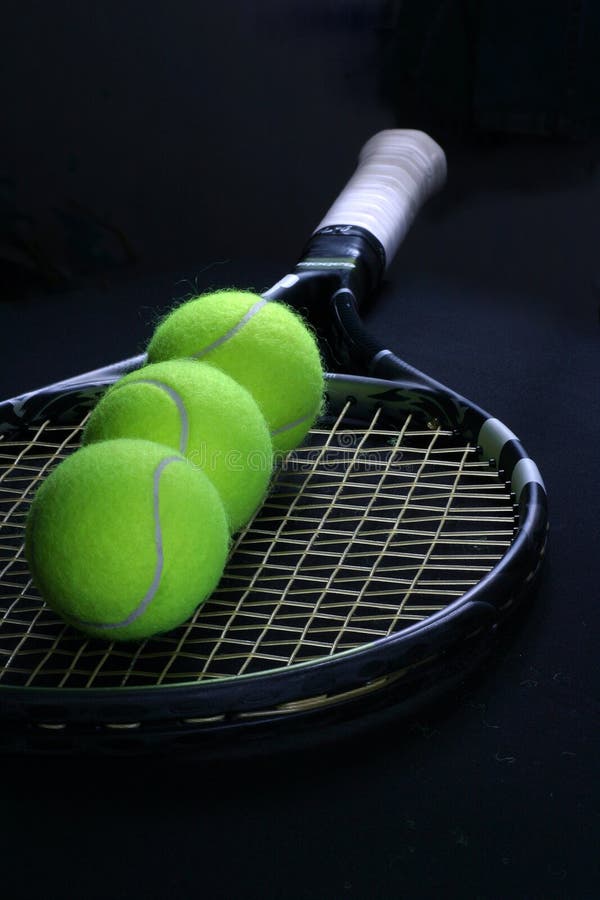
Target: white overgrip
{"points": [[397, 171]]}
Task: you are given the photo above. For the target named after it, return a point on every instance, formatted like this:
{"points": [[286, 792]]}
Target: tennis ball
{"points": [[262, 344], [203, 414], [125, 539]]}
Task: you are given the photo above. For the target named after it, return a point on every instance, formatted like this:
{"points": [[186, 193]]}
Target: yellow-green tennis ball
{"points": [[262, 344], [203, 414], [125, 539]]}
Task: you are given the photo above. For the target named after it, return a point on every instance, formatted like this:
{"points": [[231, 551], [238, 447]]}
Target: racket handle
{"points": [[397, 171]]}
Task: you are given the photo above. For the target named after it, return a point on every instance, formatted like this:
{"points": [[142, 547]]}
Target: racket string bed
{"points": [[368, 529]]}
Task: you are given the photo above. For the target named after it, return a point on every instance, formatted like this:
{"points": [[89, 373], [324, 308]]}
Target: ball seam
{"points": [[232, 331], [177, 400], [158, 541]]}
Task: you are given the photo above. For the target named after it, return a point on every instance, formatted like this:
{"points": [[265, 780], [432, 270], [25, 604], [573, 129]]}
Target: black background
{"points": [[214, 141]]}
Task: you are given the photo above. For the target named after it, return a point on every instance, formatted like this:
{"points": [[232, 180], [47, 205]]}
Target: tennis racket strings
{"points": [[373, 525]]}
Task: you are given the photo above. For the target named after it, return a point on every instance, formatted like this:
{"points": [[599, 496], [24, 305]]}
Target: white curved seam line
{"points": [[158, 541], [232, 331], [290, 425], [177, 400]]}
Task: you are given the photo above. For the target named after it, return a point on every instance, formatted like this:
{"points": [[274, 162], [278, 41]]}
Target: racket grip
{"points": [[397, 172]]}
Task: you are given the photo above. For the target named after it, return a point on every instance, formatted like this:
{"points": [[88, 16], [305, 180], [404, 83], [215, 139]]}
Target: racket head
{"points": [[326, 611]]}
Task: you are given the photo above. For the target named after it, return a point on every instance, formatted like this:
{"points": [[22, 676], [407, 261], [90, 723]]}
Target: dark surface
{"points": [[493, 793]]}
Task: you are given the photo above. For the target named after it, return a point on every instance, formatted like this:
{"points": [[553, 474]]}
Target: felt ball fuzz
{"points": [[201, 413], [262, 344], [125, 539]]}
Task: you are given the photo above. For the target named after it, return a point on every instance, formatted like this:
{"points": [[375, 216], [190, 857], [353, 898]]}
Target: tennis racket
{"points": [[375, 575]]}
